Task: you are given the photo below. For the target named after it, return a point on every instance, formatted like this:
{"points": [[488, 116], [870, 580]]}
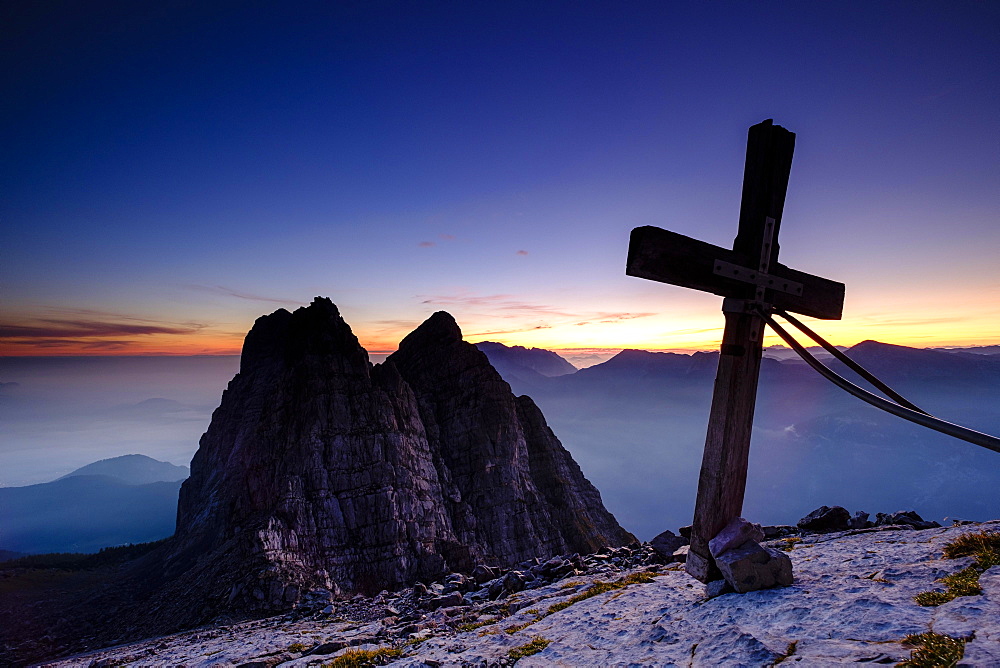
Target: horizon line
{"points": [[574, 350]]}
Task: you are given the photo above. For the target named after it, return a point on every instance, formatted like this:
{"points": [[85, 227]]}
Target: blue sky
{"points": [[175, 170]]}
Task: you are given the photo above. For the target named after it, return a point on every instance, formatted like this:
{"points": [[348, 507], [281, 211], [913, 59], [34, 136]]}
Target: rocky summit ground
{"points": [[852, 602]]}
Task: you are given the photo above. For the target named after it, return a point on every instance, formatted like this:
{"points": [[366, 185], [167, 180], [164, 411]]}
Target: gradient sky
{"points": [[174, 170]]}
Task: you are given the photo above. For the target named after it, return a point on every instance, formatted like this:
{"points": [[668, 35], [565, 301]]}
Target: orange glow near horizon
{"points": [[153, 345], [671, 320], [697, 334]]}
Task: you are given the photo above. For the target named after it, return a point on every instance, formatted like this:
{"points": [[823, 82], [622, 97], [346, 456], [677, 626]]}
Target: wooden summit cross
{"points": [[751, 279]]}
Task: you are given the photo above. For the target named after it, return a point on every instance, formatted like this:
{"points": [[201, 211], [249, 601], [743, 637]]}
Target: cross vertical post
{"points": [[722, 481], [751, 279]]}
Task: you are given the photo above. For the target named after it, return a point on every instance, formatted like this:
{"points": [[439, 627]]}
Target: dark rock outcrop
{"points": [[904, 518], [321, 471], [825, 518], [751, 566], [667, 543]]}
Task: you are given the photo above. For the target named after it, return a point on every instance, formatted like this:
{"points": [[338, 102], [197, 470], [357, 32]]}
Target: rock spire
{"points": [[321, 470]]}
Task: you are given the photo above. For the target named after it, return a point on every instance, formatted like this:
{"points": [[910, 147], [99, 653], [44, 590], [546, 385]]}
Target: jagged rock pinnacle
{"points": [[319, 470], [439, 329], [317, 329]]}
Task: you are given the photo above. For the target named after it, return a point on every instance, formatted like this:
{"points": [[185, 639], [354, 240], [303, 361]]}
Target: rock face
{"points": [[751, 566], [736, 533], [825, 518], [667, 544], [321, 471], [904, 518]]}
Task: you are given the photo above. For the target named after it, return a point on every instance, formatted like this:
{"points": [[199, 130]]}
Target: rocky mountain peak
{"points": [[314, 330], [439, 329], [319, 470]]}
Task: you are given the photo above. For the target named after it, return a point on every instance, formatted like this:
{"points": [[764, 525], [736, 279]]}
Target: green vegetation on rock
{"points": [[363, 658], [527, 649], [933, 650], [599, 587], [789, 543], [985, 547]]}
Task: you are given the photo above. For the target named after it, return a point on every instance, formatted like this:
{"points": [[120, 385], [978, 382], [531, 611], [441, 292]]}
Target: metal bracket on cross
{"points": [[760, 277]]}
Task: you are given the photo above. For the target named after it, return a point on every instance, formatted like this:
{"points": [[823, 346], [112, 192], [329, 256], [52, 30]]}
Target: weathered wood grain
{"points": [[667, 257]]}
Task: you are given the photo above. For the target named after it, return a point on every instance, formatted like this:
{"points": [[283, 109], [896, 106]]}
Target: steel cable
{"points": [[912, 414]]}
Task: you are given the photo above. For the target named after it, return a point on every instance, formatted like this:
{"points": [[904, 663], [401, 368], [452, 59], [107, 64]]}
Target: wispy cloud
{"points": [[74, 329], [87, 332], [498, 332], [426, 244], [543, 316], [394, 325], [107, 345], [505, 304], [229, 292], [882, 320], [522, 252], [43, 343]]}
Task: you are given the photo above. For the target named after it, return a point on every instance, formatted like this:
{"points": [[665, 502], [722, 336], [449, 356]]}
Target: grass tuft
{"points": [[595, 589], [985, 547], [933, 650], [789, 543], [364, 658], [930, 599], [297, 647], [511, 630], [529, 648], [789, 651], [472, 626], [599, 587], [963, 583], [561, 605]]}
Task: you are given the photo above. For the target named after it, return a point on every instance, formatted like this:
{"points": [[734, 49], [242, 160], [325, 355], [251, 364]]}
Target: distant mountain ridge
{"points": [[543, 361], [134, 470], [637, 422], [972, 350], [84, 513], [924, 364], [115, 501], [529, 366], [784, 353]]}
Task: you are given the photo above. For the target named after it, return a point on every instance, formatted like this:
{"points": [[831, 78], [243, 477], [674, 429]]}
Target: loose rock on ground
{"points": [[852, 601]]}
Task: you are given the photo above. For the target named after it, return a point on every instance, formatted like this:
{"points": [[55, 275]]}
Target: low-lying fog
{"points": [[60, 413], [635, 424]]}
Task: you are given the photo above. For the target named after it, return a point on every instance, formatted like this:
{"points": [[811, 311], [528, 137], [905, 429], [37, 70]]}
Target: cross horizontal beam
{"points": [[667, 257]]}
